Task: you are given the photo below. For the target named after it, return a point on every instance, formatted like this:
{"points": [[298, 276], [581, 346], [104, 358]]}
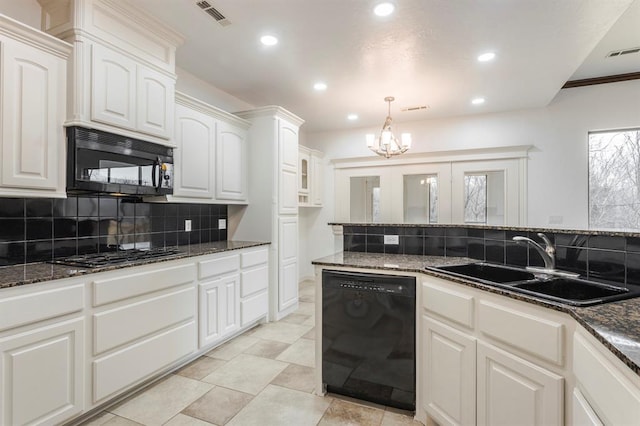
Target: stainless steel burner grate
{"points": [[96, 260]]}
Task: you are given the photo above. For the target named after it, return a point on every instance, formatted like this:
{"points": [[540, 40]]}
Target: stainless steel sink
{"points": [[571, 291]]}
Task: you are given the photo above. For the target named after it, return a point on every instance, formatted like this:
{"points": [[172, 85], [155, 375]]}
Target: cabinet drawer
{"points": [[253, 308], [254, 280], [125, 324], [218, 266], [123, 287], [614, 398], [253, 258], [534, 335], [447, 303], [119, 370], [33, 307]]}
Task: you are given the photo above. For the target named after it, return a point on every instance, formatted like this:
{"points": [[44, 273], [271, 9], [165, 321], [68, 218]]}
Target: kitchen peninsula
{"points": [[576, 362]]}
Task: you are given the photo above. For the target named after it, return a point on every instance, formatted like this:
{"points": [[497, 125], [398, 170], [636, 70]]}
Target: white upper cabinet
{"points": [[211, 155], [123, 68], [288, 165], [156, 95], [113, 88], [33, 74], [231, 162], [195, 141], [310, 174]]}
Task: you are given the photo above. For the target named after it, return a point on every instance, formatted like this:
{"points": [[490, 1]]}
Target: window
{"points": [[614, 179], [420, 198], [475, 198], [365, 199]]}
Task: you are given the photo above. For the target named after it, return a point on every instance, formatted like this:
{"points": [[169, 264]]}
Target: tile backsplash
{"points": [[40, 229], [596, 256]]}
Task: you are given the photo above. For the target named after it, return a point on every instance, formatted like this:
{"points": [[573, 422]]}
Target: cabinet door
{"points": [[219, 309], [288, 260], [42, 374], [449, 374], [194, 156], [231, 163], [513, 391], [155, 102], [113, 88], [317, 176], [288, 168], [583, 414], [304, 171], [33, 108], [230, 321]]}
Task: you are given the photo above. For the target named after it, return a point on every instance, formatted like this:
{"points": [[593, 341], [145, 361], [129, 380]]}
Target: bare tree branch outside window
{"points": [[614, 179], [475, 198]]}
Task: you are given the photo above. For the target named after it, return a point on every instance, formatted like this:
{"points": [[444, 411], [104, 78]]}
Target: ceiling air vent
{"points": [[213, 12], [414, 108], [623, 52]]}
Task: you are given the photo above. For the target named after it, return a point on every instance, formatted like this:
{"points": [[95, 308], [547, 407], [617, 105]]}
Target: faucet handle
{"points": [[550, 247]]}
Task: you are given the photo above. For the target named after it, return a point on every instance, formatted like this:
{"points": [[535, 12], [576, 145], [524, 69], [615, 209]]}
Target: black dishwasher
{"points": [[368, 337]]}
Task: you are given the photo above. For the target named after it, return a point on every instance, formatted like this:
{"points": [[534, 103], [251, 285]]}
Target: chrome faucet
{"points": [[548, 252]]}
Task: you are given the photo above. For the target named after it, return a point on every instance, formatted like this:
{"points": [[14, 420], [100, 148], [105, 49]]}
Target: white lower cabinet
{"points": [[70, 346], [144, 321], [219, 309], [613, 396], [41, 373], [583, 414], [120, 370], [513, 391], [236, 299], [449, 379], [254, 286], [477, 370], [288, 285]]}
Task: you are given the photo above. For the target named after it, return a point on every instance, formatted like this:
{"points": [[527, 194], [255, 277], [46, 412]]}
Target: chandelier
{"points": [[387, 145]]}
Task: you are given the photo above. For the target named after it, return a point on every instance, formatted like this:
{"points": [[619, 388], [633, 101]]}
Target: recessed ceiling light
{"points": [[352, 117], [486, 57], [384, 9], [477, 101], [320, 86], [268, 40]]}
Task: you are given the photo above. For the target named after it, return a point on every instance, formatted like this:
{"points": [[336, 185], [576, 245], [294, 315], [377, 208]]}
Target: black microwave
{"points": [[99, 161]]}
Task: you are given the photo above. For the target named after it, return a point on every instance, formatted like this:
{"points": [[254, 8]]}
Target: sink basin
{"points": [[487, 272], [571, 291], [574, 291]]}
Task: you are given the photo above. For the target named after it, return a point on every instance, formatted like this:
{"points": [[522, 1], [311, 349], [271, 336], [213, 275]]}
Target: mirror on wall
{"points": [[420, 198], [365, 199]]}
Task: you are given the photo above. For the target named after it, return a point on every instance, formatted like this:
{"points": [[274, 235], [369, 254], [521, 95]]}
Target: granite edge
{"points": [[611, 233]]}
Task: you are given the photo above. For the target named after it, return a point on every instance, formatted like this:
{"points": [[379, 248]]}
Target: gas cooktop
{"points": [[97, 260]]}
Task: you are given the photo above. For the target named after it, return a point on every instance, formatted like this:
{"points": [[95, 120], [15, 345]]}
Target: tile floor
{"points": [[263, 377]]}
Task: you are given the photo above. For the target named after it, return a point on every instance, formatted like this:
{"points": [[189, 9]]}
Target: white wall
{"points": [[25, 11], [557, 167]]}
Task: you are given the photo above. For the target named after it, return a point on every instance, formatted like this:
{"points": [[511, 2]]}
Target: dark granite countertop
{"points": [[616, 324], [11, 276]]}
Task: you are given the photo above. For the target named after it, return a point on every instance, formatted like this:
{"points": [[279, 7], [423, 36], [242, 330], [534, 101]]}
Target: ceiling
{"points": [[422, 54]]}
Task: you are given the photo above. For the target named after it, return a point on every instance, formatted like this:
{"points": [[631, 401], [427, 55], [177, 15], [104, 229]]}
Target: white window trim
{"points": [[447, 165]]}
